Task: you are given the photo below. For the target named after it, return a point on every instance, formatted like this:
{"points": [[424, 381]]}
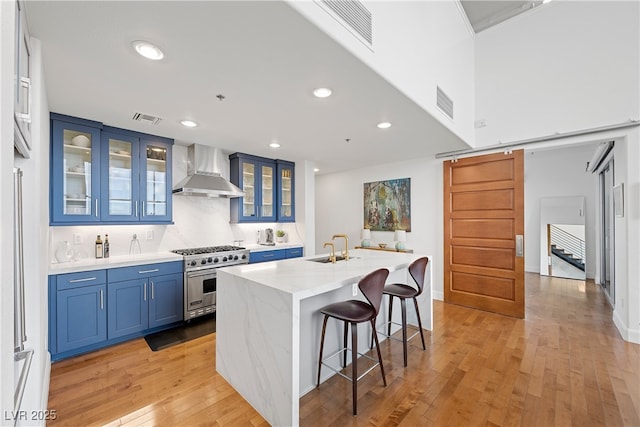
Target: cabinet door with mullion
{"points": [[120, 185], [285, 196], [75, 173], [155, 180]]}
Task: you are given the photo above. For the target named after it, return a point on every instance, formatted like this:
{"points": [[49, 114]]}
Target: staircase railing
{"points": [[567, 241]]}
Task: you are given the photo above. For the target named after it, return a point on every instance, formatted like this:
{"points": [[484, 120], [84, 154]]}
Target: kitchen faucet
{"points": [[332, 257], [345, 253]]}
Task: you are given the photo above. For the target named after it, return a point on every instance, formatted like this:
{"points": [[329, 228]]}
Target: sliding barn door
{"points": [[483, 233]]}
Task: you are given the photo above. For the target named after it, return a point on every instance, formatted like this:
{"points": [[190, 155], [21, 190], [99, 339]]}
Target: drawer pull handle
{"points": [[148, 271], [86, 279], [268, 255]]}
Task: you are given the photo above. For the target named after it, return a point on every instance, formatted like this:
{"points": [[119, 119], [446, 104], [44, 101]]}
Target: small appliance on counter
{"points": [[265, 237]]}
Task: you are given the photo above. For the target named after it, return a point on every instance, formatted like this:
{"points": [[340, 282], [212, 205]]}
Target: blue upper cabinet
{"points": [[75, 170], [102, 174], [285, 194], [256, 176]]}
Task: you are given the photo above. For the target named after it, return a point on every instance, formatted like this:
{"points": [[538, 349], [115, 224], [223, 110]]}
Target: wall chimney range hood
{"points": [[204, 177]]}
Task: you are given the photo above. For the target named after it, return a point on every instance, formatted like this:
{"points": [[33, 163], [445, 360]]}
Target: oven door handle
{"points": [[200, 273]]}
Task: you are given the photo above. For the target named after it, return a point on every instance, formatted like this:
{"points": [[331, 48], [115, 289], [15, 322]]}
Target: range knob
{"points": [[244, 256], [235, 257], [193, 263], [209, 260], [224, 259], [204, 261], [215, 260]]}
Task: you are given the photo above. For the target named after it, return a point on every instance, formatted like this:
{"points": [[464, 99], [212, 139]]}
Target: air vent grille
{"points": [[146, 118], [355, 15], [444, 103]]}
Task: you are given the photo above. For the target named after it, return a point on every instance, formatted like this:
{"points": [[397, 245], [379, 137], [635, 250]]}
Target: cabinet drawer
{"points": [[83, 278], [294, 252], [263, 256], [146, 270]]}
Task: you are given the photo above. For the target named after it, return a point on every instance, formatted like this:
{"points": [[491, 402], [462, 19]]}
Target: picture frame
{"points": [[387, 205], [618, 200]]}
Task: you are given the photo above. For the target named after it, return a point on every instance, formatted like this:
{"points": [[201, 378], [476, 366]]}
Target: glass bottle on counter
{"points": [[106, 246], [99, 247]]}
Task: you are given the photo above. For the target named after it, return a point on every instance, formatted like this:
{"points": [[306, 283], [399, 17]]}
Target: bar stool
{"points": [[403, 292], [354, 312]]}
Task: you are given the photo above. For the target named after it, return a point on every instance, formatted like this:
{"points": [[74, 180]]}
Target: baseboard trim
{"points": [[44, 398], [631, 335], [438, 295]]}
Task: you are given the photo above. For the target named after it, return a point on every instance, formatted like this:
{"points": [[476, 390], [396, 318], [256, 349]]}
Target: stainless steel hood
{"points": [[204, 177]]}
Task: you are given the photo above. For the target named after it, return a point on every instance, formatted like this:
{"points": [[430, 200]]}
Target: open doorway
{"points": [[562, 237], [566, 251]]}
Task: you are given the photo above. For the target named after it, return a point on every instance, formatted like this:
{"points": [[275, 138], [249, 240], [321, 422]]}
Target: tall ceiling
{"points": [[263, 56], [483, 14]]}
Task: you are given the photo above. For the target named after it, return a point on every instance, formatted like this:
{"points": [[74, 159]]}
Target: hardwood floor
{"points": [[564, 364]]}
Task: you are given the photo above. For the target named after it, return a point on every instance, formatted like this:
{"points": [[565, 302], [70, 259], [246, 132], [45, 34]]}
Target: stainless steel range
{"points": [[200, 266]]}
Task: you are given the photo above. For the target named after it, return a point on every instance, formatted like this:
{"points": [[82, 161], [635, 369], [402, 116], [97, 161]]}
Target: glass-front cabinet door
{"points": [[120, 177], [155, 180], [249, 182], [268, 191], [75, 174], [256, 176], [286, 206]]}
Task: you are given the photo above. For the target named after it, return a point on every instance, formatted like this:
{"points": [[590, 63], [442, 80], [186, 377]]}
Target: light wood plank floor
{"points": [[564, 364]]}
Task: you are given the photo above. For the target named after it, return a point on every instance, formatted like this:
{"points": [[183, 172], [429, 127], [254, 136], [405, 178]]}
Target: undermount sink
{"points": [[326, 260]]}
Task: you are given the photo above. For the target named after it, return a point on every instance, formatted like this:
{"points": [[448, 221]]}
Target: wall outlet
{"points": [[77, 238], [354, 289], [149, 234]]}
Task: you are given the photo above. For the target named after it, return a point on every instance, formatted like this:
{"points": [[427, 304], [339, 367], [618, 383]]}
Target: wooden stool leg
{"points": [[354, 366], [324, 328], [384, 380], [403, 305], [390, 315], [344, 344], [415, 302]]}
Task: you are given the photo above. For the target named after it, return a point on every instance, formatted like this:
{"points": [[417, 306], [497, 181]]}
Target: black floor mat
{"points": [[195, 329]]}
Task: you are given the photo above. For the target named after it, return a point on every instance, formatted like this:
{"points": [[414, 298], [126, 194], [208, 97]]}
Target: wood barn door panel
{"points": [[483, 213]]}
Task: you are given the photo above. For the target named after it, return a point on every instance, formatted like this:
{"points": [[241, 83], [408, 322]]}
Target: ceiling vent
{"points": [[444, 103], [146, 118], [354, 14]]}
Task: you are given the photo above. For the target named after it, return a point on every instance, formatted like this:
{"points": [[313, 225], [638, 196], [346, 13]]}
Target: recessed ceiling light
{"points": [[274, 145], [188, 123], [322, 92], [546, 1], [316, 170], [148, 50], [384, 125]]}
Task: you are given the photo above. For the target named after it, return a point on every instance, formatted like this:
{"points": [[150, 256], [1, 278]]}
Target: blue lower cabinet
{"points": [[294, 252], [166, 303], [264, 256], [81, 317], [128, 307], [93, 309], [274, 255]]}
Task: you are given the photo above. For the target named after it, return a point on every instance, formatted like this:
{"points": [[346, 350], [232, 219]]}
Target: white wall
{"points": [[417, 45], [7, 22], [564, 66], [558, 173]]}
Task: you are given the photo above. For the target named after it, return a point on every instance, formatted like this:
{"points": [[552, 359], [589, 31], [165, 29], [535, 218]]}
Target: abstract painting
{"points": [[387, 205]]}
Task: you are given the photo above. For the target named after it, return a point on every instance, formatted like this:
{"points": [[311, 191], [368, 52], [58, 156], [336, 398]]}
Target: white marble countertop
{"points": [[304, 278], [260, 248], [112, 262]]}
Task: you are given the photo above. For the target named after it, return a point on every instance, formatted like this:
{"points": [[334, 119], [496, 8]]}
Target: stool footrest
{"points": [[339, 352], [398, 324]]}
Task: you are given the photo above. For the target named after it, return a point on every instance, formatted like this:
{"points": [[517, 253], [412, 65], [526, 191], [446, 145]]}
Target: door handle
{"points": [[145, 291], [519, 245], [152, 291], [101, 300]]}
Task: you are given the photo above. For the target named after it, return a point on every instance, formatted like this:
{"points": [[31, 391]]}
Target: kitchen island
{"points": [[268, 323]]}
